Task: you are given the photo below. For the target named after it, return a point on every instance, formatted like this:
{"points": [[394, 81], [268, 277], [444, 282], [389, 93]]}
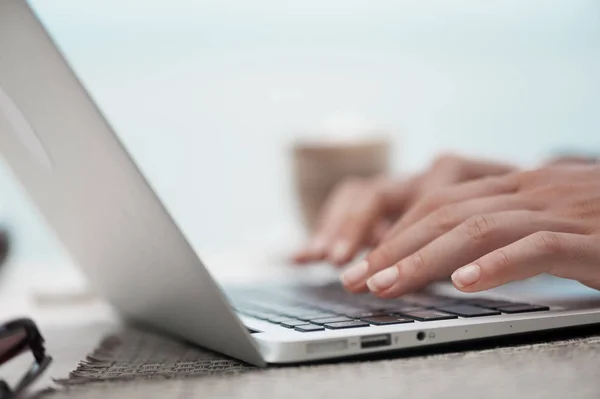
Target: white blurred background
{"points": [[208, 95]]}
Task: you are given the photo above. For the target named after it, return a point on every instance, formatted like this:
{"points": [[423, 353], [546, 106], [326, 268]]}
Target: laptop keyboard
{"points": [[316, 308]]}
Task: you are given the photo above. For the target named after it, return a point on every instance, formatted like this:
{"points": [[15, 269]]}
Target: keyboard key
{"points": [[387, 308], [292, 323], [386, 320], [468, 311], [328, 320], [363, 313], [426, 300], [261, 316], [491, 303], [277, 319], [429, 315], [483, 301], [290, 314], [309, 328], [346, 324], [523, 308], [315, 315], [340, 309], [505, 305], [372, 303], [403, 309]]}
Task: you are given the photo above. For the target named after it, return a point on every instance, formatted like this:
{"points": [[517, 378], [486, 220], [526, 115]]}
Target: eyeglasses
{"points": [[16, 337]]}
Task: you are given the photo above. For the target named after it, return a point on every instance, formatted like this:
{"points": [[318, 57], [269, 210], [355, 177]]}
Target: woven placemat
{"points": [[133, 353]]}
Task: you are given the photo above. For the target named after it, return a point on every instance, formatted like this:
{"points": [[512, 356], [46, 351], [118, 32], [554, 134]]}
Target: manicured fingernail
{"points": [[383, 280], [355, 274], [339, 253], [466, 275]]}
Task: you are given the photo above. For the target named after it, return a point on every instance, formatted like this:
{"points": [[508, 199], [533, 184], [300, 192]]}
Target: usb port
{"points": [[375, 341]]}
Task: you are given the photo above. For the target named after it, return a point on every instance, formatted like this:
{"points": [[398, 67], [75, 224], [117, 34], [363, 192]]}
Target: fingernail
{"points": [[466, 275], [355, 274], [339, 253], [383, 280]]}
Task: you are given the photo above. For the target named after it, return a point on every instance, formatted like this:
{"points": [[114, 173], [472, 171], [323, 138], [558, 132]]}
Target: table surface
{"points": [[73, 321]]}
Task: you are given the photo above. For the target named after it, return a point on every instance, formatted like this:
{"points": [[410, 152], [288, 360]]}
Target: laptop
{"points": [[82, 180]]}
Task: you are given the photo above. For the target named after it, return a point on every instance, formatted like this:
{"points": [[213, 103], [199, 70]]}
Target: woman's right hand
{"points": [[359, 212]]}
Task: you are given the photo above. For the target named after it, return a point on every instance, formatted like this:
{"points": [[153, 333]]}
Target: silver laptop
{"points": [[69, 160]]}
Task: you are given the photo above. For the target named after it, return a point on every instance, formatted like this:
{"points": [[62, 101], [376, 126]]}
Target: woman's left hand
{"points": [[492, 231]]}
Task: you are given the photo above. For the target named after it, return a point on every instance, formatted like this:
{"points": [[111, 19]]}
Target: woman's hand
{"points": [[493, 230], [359, 212]]}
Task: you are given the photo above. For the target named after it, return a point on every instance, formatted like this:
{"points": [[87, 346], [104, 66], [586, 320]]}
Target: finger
{"points": [[313, 251], [457, 193], [572, 159], [359, 287], [335, 214], [451, 169], [562, 254], [475, 169], [476, 237], [358, 224], [428, 229], [332, 214], [304, 255], [379, 231], [373, 200]]}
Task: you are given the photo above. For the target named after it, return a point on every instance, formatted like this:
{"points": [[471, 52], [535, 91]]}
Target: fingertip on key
{"points": [[355, 274], [383, 280], [339, 253], [466, 276]]}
